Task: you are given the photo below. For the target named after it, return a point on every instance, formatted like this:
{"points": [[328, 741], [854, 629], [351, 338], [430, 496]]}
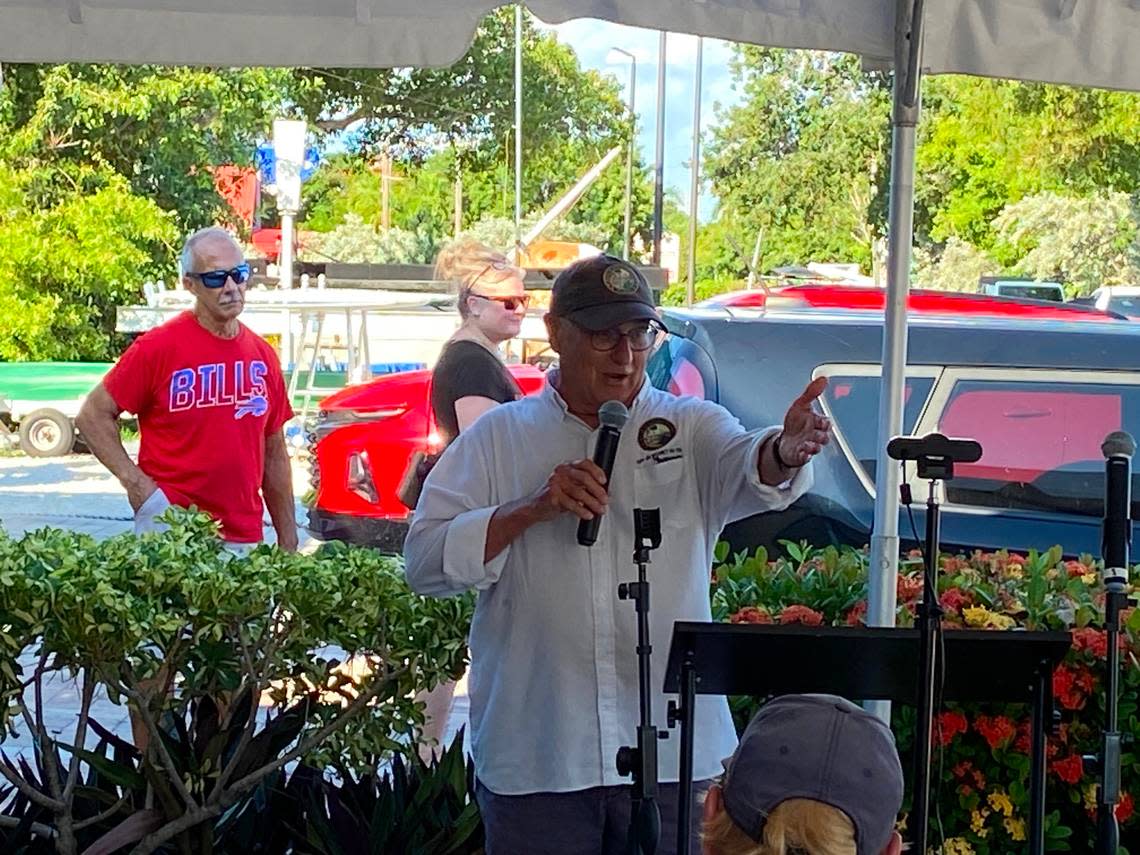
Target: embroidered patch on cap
{"points": [[655, 434], [620, 279]]}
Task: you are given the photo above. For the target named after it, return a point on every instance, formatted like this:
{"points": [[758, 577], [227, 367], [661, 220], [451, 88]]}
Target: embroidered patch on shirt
{"points": [[663, 456], [655, 434]]}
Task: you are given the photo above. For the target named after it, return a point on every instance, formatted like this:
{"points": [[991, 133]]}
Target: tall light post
{"points": [[627, 238], [695, 179], [518, 131], [659, 164]]}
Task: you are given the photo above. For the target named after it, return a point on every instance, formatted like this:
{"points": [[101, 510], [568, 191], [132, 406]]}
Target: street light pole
{"points": [[627, 237], [659, 164], [695, 178], [518, 131]]}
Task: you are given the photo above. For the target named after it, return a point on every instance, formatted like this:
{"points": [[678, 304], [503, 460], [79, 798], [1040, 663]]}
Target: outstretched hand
{"points": [[806, 432]]}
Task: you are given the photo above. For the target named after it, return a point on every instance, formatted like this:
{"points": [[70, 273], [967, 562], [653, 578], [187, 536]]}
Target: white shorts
{"points": [[156, 504]]}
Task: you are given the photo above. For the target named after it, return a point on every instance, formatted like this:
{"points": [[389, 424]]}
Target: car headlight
{"points": [[360, 480]]}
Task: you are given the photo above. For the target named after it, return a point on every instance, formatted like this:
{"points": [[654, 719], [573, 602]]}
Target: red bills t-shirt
{"points": [[205, 405]]}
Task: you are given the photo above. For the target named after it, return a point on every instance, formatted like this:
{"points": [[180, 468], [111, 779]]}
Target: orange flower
{"points": [[751, 614], [909, 587], [954, 600], [996, 730], [1071, 685], [1069, 769], [800, 614], [858, 614], [949, 725], [1124, 807]]}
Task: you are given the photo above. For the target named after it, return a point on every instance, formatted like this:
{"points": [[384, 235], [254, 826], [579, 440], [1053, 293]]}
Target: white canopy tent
{"points": [[1086, 42], [1082, 42]]}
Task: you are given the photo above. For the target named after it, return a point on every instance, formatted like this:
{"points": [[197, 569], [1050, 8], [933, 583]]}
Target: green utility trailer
{"points": [[39, 402]]}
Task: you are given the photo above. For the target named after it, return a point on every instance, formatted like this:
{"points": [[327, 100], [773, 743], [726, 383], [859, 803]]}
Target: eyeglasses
{"points": [[217, 278], [641, 337], [511, 304]]}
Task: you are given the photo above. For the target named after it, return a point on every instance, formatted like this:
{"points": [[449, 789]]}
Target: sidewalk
{"points": [[77, 493]]}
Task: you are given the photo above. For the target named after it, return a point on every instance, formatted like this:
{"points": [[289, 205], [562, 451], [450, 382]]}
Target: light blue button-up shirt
{"points": [[553, 679]]}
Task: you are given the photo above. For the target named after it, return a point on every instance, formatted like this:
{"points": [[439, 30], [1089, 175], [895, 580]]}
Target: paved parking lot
{"points": [[77, 493]]}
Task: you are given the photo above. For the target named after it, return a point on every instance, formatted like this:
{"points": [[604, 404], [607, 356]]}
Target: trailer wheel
{"points": [[46, 433]]}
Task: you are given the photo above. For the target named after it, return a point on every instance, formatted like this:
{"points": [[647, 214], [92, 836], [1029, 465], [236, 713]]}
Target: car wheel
{"points": [[46, 433]]}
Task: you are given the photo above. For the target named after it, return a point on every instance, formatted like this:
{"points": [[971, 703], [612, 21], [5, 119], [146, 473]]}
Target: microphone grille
{"points": [[613, 414], [1119, 443]]}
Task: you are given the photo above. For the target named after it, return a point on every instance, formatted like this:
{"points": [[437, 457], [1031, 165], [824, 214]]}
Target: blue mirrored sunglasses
{"points": [[217, 278]]}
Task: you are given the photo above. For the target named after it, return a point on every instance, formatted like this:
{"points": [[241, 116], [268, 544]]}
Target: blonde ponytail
{"points": [[795, 827]]}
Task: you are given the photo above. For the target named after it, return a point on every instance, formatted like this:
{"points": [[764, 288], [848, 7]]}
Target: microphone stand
{"points": [[935, 470], [1107, 761], [1115, 548], [641, 762]]}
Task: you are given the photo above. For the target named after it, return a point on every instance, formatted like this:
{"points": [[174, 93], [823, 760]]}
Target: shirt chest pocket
{"points": [[664, 485]]}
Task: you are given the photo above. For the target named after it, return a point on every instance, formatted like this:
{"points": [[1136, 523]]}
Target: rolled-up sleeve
{"points": [[443, 552], [728, 458]]}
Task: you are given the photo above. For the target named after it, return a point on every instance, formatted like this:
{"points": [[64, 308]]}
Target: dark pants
{"points": [[584, 822]]}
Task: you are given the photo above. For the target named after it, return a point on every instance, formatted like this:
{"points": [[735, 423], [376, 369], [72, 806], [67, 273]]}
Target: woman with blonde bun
{"points": [[470, 377]]}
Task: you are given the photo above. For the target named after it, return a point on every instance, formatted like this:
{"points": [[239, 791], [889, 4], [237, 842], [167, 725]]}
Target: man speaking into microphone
{"points": [[554, 677]]}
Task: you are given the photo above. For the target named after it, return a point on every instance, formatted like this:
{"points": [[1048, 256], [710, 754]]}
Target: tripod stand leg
{"points": [[1042, 704], [685, 790]]}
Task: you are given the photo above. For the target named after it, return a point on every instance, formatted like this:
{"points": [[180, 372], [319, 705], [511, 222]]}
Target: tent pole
{"points": [[882, 595]]}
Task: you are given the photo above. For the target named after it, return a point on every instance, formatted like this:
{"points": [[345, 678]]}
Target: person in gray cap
{"points": [[553, 681], [812, 775]]}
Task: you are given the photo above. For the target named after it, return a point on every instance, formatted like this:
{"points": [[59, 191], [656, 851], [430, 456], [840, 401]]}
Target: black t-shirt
{"points": [[467, 369]]}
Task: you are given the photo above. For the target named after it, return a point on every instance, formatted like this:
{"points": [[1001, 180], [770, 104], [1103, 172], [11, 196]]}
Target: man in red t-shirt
{"points": [[211, 404]]}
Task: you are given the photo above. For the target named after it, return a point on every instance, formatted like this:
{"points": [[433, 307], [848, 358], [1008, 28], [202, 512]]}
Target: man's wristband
{"points": [[776, 452]]}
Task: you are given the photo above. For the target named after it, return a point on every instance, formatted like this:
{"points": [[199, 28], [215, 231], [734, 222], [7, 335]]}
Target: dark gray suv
{"points": [[1040, 396]]}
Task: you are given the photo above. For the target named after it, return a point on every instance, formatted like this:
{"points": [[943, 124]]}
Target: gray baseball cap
{"points": [[601, 292], [818, 747]]}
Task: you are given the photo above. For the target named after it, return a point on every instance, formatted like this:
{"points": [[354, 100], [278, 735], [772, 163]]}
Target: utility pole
{"points": [[518, 130], [627, 237], [385, 180], [458, 199], [659, 164], [695, 178]]}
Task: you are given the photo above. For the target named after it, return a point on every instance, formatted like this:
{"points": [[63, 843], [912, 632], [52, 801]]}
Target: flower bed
{"points": [[982, 751]]}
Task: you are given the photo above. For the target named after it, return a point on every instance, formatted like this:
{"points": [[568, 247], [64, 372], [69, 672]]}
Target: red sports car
{"points": [[360, 447]]}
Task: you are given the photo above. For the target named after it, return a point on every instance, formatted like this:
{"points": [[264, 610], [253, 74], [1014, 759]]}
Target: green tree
{"points": [[803, 157], [103, 168], [159, 128], [459, 120], [984, 144], [1084, 242], [64, 268]]}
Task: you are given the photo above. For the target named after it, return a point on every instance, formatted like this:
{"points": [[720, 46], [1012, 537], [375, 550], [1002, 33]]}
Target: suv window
{"points": [[1127, 306], [681, 367], [1041, 442], [853, 401]]}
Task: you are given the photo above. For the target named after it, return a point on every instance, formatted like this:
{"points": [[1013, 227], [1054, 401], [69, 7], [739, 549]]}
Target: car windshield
{"points": [[1125, 305], [1031, 292]]}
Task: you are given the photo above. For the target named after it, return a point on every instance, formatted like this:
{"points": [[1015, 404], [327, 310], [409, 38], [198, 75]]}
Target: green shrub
{"points": [[236, 665]]}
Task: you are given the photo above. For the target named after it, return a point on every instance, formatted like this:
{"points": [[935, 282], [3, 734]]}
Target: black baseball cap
{"points": [[601, 292], [819, 747]]}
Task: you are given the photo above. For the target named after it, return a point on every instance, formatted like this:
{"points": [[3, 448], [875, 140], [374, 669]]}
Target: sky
{"points": [[592, 40]]}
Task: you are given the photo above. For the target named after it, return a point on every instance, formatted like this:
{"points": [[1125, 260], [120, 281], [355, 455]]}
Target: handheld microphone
{"points": [[612, 416], [1118, 448]]}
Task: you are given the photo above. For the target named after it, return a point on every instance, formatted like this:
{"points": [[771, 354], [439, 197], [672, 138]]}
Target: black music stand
{"points": [[860, 663]]}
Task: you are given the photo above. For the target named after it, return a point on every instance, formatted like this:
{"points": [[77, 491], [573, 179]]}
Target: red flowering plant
{"points": [[981, 751]]}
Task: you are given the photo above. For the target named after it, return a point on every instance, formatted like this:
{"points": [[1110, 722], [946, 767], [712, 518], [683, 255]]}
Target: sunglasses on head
{"points": [[217, 278], [511, 304]]}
